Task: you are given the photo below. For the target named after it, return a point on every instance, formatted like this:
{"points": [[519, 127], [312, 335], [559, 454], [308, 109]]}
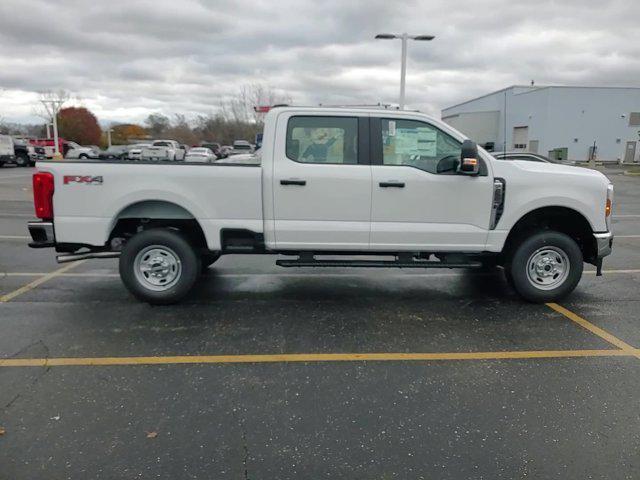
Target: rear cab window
{"points": [[322, 139]]}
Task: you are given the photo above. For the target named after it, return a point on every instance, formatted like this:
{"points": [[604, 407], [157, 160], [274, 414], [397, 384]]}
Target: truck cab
{"points": [[400, 186]]}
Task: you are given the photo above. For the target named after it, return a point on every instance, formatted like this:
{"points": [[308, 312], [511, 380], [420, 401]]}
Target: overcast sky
{"points": [[126, 59]]}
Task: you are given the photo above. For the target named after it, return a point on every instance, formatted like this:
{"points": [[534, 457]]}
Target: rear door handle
{"points": [[391, 184], [301, 183]]}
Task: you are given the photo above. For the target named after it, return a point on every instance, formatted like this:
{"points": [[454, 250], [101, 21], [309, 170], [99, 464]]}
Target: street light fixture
{"points": [[403, 71]]}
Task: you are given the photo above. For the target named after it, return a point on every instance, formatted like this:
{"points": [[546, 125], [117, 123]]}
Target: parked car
{"points": [[214, 147], [225, 151], [114, 152], [73, 150], [48, 144], [428, 198], [167, 150], [7, 154], [134, 152], [530, 157], [242, 159], [25, 154], [200, 155], [241, 146]]}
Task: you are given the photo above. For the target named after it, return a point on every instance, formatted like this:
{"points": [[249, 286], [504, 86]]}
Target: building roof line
{"points": [[491, 93], [534, 89]]}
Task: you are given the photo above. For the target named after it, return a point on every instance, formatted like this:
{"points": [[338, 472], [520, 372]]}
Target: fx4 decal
{"points": [[83, 179]]}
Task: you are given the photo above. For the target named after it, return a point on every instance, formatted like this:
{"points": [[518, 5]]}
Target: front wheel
{"points": [[545, 266], [159, 266], [22, 160]]}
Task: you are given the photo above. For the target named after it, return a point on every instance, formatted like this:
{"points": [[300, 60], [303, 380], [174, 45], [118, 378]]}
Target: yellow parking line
{"points": [[309, 358], [39, 281], [613, 340]]}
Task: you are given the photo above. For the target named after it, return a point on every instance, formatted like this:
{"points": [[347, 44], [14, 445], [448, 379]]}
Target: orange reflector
{"points": [[607, 208]]}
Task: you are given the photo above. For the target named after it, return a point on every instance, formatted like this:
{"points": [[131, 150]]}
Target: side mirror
{"points": [[469, 159]]}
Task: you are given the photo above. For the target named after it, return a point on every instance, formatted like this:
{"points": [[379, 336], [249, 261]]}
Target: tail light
{"points": [[43, 195]]}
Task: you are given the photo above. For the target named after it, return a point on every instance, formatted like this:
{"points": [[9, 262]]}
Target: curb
{"points": [[632, 173]]}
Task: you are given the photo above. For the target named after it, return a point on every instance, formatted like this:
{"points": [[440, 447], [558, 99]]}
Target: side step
{"points": [[400, 263]]}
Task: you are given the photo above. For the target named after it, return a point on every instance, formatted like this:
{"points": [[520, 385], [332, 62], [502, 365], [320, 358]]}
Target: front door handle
{"points": [[391, 184], [292, 181]]}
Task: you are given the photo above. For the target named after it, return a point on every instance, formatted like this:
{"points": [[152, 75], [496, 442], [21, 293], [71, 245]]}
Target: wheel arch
{"points": [[559, 218], [147, 214]]}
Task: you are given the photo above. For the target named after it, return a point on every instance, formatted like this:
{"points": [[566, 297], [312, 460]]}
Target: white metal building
{"points": [[561, 122]]}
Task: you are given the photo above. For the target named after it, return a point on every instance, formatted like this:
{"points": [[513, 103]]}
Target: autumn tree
{"points": [[126, 133], [79, 125]]}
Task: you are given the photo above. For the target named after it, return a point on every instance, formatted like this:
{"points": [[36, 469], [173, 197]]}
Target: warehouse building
{"points": [[566, 123]]}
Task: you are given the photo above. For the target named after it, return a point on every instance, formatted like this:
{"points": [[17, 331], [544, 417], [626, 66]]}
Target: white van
{"points": [[7, 154]]}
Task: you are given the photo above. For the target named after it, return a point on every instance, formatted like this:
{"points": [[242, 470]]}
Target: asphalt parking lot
{"points": [[270, 373]]}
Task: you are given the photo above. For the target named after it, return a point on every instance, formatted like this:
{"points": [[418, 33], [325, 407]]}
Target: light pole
{"points": [[53, 107], [109, 137], [403, 68]]}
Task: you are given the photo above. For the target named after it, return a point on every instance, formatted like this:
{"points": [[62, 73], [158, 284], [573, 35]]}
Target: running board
{"points": [[375, 264], [72, 257]]}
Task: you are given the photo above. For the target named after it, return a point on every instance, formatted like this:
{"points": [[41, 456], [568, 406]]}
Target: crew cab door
{"points": [[321, 182], [419, 201]]}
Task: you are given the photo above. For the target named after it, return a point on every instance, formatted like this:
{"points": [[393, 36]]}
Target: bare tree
{"points": [[242, 107], [44, 108]]}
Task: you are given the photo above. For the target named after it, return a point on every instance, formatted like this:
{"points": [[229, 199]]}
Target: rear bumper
{"points": [[604, 244], [42, 234]]}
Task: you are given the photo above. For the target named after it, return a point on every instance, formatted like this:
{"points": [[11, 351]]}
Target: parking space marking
{"points": [[39, 281], [14, 237], [11, 177], [309, 358], [17, 215], [613, 340], [627, 216]]}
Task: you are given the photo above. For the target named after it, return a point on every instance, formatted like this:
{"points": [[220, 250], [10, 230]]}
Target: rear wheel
{"points": [[545, 266], [159, 266]]}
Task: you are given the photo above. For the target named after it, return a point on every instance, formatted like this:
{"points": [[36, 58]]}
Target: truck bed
{"points": [[91, 195]]}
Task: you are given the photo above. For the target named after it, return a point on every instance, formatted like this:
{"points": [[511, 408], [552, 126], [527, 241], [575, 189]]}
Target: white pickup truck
{"points": [[162, 150], [335, 187]]}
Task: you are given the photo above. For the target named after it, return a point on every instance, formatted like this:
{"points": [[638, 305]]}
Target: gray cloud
{"points": [[128, 58]]}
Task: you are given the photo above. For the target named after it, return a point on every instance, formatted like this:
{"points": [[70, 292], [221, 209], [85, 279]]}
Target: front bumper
{"points": [[604, 243], [42, 234]]}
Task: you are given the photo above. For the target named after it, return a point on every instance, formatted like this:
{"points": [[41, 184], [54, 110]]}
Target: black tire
{"points": [[177, 249], [209, 259], [22, 160], [83, 156], [545, 266]]}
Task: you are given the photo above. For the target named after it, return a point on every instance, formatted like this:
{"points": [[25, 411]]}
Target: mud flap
{"points": [[599, 267]]}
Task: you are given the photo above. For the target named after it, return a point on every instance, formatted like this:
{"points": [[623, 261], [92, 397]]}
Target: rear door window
{"points": [[317, 139]]}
